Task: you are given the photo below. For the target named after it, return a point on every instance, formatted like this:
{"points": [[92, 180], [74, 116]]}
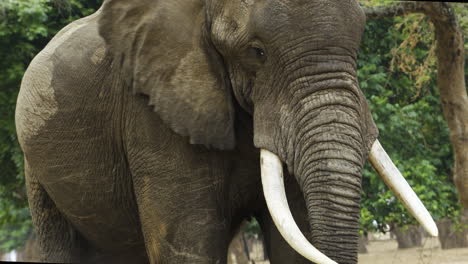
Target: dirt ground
{"points": [[386, 252], [380, 252]]}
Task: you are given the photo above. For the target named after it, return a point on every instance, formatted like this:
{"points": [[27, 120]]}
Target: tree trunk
{"points": [[450, 77], [451, 82], [237, 252], [30, 251], [363, 242], [450, 236], [408, 237], [247, 249]]}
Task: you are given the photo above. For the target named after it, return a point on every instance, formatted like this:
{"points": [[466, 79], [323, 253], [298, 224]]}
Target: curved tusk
{"points": [[275, 196], [397, 183]]}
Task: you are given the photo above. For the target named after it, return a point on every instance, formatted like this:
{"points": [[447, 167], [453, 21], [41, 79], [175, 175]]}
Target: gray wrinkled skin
{"points": [[141, 127]]}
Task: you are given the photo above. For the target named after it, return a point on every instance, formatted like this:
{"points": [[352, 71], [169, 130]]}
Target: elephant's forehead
{"points": [[342, 16]]}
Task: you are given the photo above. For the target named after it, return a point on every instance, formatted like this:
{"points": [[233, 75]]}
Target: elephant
{"points": [[152, 129]]}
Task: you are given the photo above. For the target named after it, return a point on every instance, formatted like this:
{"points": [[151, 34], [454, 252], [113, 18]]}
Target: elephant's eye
{"points": [[257, 52], [253, 58]]}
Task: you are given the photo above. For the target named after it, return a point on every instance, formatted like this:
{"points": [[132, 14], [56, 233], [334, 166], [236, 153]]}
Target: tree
{"points": [[415, 60], [451, 77]]}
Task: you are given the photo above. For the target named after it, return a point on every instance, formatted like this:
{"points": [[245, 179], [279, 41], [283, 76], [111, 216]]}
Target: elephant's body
{"points": [[90, 145], [141, 127]]}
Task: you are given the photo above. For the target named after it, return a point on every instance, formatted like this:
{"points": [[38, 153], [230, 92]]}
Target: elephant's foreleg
{"points": [[177, 234], [181, 214], [58, 241]]}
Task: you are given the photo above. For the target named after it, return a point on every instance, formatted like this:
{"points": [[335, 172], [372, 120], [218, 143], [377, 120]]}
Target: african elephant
{"points": [[143, 126]]}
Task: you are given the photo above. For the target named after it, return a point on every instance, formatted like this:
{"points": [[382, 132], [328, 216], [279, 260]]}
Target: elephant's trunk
{"points": [[331, 182], [328, 159], [324, 138], [320, 138]]}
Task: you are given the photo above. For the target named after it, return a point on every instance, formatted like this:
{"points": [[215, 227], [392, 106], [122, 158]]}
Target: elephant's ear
{"points": [[161, 50]]}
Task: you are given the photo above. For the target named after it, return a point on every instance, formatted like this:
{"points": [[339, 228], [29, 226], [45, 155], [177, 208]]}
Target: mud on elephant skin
{"points": [[143, 125]]}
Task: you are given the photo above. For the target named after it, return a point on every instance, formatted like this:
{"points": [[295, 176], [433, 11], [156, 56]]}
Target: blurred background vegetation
{"points": [[397, 73]]}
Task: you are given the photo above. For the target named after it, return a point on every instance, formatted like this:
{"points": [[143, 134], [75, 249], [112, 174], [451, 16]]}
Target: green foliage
{"points": [[15, 223], [397, 72], [252, 227], [26, 26], [377, 2]]}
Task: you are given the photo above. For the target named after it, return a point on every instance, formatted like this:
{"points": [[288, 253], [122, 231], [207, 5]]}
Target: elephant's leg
{"points": [[178, 231], [58, 240], [278, 249], [180, 208]]}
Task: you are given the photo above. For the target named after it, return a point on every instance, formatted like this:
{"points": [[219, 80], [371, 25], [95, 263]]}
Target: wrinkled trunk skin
{"points": [[330, 176], [324, 139], [328, 160]]}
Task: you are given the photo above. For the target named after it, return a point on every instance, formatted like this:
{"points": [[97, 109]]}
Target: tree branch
{"points": [[436, 10], [400, 9]]}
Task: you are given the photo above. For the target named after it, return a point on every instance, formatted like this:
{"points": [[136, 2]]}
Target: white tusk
{"points": [[275, 196], [397, 183]]}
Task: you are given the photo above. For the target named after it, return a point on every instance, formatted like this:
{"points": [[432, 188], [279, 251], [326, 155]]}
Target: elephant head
{"points": [[291, 65]]}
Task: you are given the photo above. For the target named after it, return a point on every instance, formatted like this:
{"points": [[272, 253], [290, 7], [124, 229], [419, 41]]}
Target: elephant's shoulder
{"points": [[74, 56], [64, 80], [77, 48]]}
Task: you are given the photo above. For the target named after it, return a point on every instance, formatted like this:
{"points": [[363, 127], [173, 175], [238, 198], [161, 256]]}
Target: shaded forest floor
{"points": [[387, 252]]}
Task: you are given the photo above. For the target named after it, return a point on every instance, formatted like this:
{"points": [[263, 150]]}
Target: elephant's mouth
{"points": [[275, 196]]}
